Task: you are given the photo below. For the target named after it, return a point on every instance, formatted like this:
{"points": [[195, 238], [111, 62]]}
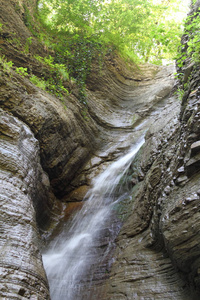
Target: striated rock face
{"points": [[22, 182], [143, 268], [158, 252], [159, 247], [64, 144]]}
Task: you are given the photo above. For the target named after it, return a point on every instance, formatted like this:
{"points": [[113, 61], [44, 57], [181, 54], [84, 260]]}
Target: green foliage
{"points": [[54, 67], [192, 47], [27, 17], [17, 7], [21, 71], [51, 85], [73, 59], [189, 51], [29, 20], [6, 65], [180, 92], [136, 28], [38, 82], [58, 74], [84, 113], [78, 53], [81, 31], [28, 43], [16, 41], [192, 29]]}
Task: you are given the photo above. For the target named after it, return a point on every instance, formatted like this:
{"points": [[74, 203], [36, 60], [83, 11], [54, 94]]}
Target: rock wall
{"points": [[158, 251], [22, 185]]}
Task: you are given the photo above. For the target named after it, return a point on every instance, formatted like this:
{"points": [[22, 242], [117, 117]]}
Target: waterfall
{"points": [[73, 252]]}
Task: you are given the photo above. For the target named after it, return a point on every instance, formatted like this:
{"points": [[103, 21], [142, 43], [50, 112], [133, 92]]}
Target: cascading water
{"points": [[73, 252]]}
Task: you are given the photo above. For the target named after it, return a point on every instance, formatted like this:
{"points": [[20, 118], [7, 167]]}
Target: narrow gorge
{"points": [[107, 193]]}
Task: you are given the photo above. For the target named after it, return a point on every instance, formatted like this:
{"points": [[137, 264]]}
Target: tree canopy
{"points": [[148, 30]]}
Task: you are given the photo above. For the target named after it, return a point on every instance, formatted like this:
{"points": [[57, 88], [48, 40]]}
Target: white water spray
{"points": [[73, 252]]}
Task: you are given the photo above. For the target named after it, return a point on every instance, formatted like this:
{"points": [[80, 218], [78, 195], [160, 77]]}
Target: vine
{"points": [[77, 53]]}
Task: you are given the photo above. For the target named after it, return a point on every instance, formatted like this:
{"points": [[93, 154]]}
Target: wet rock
{"points": [[193, 165], [195, 148], [181, 170], [164, 222], [167, 190], [77, 195], [154, 176], [181, 180], [70, 209]]}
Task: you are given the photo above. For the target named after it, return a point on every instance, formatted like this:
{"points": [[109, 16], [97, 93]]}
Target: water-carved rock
{"points": [[21, 269]]}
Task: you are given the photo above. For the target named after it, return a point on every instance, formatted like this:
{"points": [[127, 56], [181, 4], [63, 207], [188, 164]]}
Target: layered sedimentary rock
{"points": [[50, 150], [159, 247], [46, 145], [22, 183]]}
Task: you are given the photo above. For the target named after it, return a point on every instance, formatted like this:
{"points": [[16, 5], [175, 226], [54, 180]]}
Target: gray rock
{"points": [[20, 170], [195, 147]]}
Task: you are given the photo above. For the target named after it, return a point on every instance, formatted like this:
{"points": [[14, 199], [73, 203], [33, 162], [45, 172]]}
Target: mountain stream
{"points": [[73, 252]]}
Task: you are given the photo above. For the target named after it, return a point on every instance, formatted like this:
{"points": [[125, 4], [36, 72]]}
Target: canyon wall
{"points": [[51, 149], [159, 248]]}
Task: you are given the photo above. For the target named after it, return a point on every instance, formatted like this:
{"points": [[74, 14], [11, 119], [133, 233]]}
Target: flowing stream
{"points": [[72, 254]]}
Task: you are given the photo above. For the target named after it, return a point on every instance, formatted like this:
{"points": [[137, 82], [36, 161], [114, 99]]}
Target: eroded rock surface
{"points": [[66, 140], [72, 148], [22, 184], [143, 269], [159, 248], [50, 150]]}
